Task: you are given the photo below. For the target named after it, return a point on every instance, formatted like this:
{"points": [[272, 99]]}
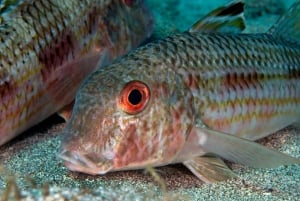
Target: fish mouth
{"points": [[85, 163]]}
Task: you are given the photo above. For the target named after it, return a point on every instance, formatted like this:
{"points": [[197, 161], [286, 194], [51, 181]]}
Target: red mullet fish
{"points": [[47, 47], [191, 98]]}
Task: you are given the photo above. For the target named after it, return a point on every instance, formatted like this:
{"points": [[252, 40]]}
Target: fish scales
{"points": [[240, 82], [192, 98], [233, 89], [48, 47], [237, 81]]}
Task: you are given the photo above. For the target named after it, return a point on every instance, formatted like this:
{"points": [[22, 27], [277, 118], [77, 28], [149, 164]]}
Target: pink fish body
{"points": [[190, 98], [48, 47]]}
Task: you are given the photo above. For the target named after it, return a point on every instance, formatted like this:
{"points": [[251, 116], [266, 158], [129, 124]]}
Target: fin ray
{"points": [[229, 18], [209, 169], [66, 111], [288, 25], [241, 150]]}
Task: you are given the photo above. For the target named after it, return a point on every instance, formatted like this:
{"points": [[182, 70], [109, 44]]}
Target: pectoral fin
{"points": [[209, 169], [241, 150], [66, 111]]}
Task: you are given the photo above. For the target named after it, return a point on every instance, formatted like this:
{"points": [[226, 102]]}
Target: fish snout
{"points": [[89, 163]]}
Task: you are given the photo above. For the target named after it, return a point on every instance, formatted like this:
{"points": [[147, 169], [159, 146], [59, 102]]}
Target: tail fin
{"points": [[288, 25]]}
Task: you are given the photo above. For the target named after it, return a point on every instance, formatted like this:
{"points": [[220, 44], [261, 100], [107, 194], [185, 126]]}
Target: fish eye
{"points": [[134, 97], [131, 3]]}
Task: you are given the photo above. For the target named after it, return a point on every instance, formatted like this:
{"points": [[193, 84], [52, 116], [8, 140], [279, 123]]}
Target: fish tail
{"points": [[288, 26]]}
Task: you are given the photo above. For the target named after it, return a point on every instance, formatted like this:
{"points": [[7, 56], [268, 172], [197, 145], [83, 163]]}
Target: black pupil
{"points": [[135, 97]]}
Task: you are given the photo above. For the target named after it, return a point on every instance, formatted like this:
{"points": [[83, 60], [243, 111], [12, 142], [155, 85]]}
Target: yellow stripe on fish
{"points": [[47, 47], [190, 98], [234, 86]]}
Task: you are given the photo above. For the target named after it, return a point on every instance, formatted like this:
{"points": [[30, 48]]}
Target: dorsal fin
{"points": [[7, 8], [288, 25], [5, 5], [228, 18]]}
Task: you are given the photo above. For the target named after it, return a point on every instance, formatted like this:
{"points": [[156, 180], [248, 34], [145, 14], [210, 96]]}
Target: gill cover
{"points": [[110, 130]]}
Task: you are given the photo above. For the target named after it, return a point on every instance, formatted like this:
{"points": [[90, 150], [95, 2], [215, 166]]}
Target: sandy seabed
{"points": [[30, 160]]}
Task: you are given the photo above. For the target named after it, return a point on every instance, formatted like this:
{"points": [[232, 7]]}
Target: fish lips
{"points": [[88, 163]]}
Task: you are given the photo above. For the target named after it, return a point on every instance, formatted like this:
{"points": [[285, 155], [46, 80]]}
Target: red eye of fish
{"points": [[134, 97], [131, 3]]}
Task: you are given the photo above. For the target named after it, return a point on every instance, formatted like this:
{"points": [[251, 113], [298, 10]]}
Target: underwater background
{"points": [[30, 160]]}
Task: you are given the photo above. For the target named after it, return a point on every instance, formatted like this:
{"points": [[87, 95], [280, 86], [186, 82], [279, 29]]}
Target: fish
{"points": [[195, 98], [48, 47]]}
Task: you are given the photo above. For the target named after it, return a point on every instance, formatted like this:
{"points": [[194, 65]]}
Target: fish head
{"points": [[127, 117]]}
